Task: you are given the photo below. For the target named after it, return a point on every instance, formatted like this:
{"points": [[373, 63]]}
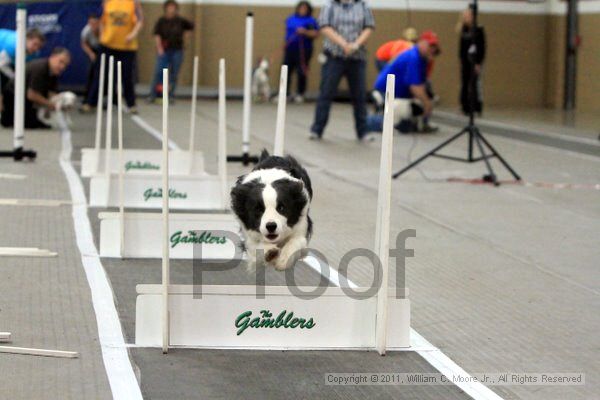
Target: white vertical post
{"points": [[382, 230], [193, 114], [108, 139], [98, 137], [19, 109], [121, 166], [281, 104], [165, 214], [222, 151], [247, 81]]}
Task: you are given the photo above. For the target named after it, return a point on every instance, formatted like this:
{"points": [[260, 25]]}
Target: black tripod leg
{"points": [[470, 155], [492, 174], [506, 165], [424, 156]]}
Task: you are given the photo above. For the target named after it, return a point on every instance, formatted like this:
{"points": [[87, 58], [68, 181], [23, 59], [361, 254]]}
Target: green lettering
{"points": [[176, 238], [241, 322]]}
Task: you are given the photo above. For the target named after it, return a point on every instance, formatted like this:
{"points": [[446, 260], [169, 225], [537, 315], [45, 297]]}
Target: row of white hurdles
{"points": [[173, 315]]}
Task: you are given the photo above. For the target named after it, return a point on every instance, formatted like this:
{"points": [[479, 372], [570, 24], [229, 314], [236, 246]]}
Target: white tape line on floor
{"points": [[154, 132], [434, 356], [119, 370]]}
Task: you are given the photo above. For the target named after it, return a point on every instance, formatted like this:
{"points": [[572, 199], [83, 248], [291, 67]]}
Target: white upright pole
{"points": [[193, 114], [108, 139], [247, 81], [165, 214], [19, 109], [222, 151], [281, 104], [121, 166], [98, 137], [382, 230]]}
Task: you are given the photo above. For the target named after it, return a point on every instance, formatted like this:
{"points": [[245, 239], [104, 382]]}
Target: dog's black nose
{"points": [[271, 226]]}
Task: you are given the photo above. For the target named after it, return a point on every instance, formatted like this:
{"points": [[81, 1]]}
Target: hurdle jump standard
{"points": [[183, 162], [245, 158], [228, 316], [18, 153], [142, 189], [139, 234]]}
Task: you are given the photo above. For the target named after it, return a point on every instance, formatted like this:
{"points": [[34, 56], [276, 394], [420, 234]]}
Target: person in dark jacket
{"points": [[169, 34], [466, 54]]}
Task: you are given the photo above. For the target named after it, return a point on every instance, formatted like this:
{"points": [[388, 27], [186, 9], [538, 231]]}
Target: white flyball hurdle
{"points": [[142, 189], [183, 162], [139, 234], [235, 317]]}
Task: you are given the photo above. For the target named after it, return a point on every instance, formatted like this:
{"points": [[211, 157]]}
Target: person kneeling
{"points": [[413, 105], [41, 83]]}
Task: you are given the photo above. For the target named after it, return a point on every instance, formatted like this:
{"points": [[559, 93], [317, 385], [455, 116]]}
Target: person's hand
{"points": [[301, 31], [129, 38], [93, 57], [51, 106], [350, 48], [160, 50], [477, 69]]}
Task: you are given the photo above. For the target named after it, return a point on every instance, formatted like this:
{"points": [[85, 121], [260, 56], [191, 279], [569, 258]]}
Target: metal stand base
{"points": [[245, 159], [19, 154], [476, 137]]}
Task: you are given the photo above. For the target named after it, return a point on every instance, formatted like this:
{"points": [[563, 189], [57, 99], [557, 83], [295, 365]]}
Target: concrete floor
{"points": [[503, 279]]}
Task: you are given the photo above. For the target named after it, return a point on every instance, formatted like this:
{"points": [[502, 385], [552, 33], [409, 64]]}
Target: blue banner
{"points": [[61, 23]]}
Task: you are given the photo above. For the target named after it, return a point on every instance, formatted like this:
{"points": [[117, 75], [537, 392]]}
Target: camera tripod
{"points": [[475, 137]]}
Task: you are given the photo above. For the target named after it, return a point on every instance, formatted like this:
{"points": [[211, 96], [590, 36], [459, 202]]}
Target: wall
{"points": [[524, 67]]}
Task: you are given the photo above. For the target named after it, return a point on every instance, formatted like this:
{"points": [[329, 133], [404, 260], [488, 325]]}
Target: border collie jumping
{"points": [[272, 204]]}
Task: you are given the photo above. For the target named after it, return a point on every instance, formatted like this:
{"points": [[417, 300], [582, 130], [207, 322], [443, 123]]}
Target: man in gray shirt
{"points": [[346, 25]]}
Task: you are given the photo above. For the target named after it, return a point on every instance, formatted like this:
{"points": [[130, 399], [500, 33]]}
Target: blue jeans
{"points": [[171, 59], [375, 123], [331, 74]]}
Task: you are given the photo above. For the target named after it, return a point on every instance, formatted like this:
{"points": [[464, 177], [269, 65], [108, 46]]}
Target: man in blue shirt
{"points": [[34, 41], [410, 70], [300, 31], [8, 49]]}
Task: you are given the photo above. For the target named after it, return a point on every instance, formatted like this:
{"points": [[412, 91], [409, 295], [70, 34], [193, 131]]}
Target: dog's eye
{"points": [[280, 208]]}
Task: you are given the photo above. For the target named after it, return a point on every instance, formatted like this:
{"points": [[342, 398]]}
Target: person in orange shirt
{"points": [[392, 49], [120, 24]]}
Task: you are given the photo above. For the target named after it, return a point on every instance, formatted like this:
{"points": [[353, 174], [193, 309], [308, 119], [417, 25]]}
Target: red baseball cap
{"points": [[430, 37]]}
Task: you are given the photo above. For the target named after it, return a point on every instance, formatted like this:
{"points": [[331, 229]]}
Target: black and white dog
{"points": [[272, 204]]}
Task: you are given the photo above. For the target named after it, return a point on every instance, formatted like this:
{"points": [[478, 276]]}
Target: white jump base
{"points": [[340, 322], [138, 160], [144, 238], [140, 190]]}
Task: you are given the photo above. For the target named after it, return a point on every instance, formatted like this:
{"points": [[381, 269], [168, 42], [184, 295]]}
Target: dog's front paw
{"points": [[271, 255]]}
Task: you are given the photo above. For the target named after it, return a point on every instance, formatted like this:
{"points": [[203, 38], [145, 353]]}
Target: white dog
{"points": [[64, 101], [261, 88]]}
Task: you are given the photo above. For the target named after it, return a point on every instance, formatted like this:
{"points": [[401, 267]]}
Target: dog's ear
{"points": [[239, 198], [264, 155], [300, 173]]}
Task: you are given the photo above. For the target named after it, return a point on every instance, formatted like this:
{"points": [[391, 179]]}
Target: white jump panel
{"points": [[137, 160], [195, 192], [144, 236], [223, 318]]}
